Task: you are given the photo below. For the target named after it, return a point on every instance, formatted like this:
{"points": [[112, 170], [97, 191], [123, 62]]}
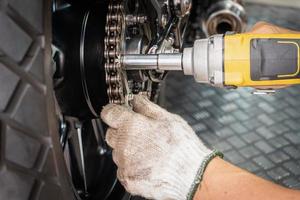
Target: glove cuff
{"points": [[200, 173]]}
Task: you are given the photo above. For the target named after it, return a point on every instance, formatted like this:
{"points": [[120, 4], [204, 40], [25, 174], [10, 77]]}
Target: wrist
{"points": [[210, 177], [211, 169], [198, 180]]}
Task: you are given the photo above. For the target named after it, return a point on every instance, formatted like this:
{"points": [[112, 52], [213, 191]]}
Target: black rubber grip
{"points": [[273, 59]]}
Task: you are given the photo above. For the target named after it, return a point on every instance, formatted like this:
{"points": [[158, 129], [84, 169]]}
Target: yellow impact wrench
{"points": [[236, 60]]}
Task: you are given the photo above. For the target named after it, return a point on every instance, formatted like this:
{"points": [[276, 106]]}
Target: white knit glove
{"points": [[158, 154]]}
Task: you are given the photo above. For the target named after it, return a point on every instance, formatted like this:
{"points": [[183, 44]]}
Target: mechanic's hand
{"points": [[157, 153], [267, 28]]}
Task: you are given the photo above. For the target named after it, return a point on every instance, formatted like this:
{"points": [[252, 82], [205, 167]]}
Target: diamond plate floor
{"points": [[258, 133]]}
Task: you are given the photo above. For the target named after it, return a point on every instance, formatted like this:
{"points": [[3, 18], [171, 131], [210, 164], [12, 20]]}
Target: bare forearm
{"points": [[227, 182]]}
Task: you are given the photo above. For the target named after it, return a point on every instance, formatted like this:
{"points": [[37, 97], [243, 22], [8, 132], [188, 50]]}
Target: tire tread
{"points": [[27, 165]]}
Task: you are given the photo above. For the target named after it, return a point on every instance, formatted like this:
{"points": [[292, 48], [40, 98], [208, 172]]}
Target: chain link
{"points": [[114, 30]]}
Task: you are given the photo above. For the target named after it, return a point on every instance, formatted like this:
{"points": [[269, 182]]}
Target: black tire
{"points": [[31, 160]]}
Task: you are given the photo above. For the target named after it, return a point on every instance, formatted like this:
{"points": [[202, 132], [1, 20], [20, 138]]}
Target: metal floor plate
{"points": [[258, 133]]}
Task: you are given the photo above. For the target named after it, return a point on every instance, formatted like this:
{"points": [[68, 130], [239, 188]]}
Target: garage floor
{"points": [[258, 133]]}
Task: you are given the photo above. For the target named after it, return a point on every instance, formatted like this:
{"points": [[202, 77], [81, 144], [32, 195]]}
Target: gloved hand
{"points": [[158, 154]]}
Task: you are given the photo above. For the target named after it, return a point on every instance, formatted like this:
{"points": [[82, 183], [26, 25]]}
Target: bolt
{"points": [[101, 150], [135, 19], [171, 40]]}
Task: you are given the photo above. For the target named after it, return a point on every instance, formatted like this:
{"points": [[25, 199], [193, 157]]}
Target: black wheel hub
{"points": [[78, 32]]}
